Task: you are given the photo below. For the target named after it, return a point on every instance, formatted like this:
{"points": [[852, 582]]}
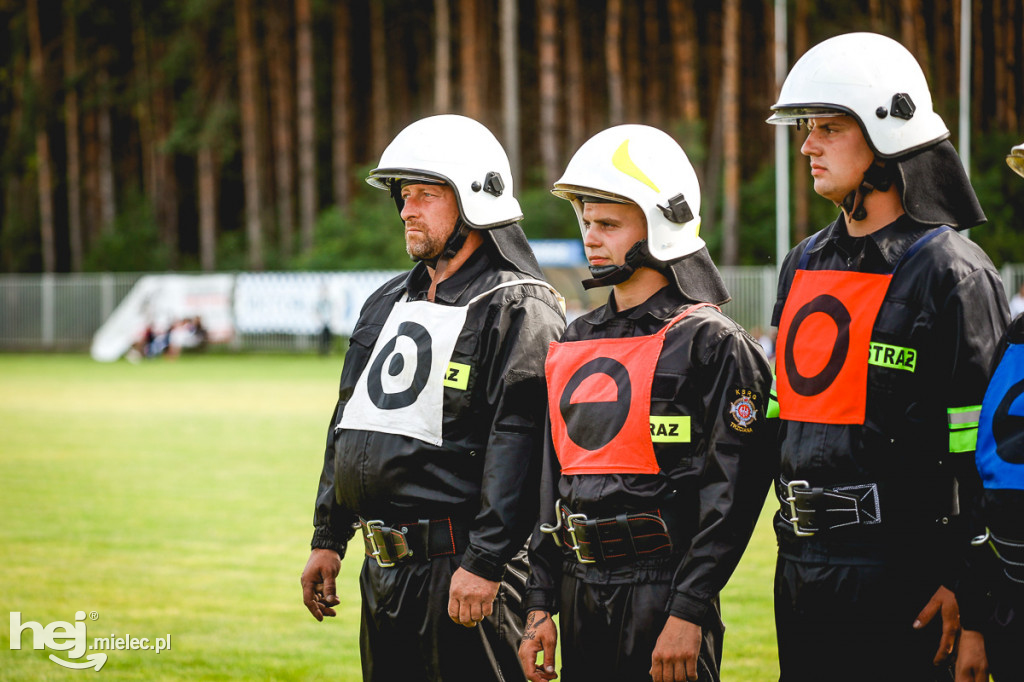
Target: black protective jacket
{"points": [[946, 304], [484, 474], [710, 490]]}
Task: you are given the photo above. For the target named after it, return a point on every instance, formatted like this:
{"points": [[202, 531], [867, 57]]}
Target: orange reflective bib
{"points": [[599, 401], [824, 341]]}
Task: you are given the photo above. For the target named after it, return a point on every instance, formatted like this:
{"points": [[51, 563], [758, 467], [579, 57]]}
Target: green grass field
{"points": [[175, 498]]}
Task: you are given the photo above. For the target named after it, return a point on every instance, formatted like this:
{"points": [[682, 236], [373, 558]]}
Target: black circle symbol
{"points": [[834, 308], [421, 372], [1008, 429], [593, 424]]}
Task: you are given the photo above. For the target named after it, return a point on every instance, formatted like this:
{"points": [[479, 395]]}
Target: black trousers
{"points": [[406, 634], [1004, 640], [608, 631], [842, 622]]}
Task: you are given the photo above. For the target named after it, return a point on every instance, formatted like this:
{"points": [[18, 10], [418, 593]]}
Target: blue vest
{"points": [[1000, 452]]}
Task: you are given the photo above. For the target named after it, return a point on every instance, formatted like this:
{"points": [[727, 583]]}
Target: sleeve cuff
{"points": [[324, 539], [483, 566], [540, 600], [688, 608]]}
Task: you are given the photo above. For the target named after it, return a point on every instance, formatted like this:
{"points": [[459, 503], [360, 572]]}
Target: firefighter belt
{"points": [[421, 540]]}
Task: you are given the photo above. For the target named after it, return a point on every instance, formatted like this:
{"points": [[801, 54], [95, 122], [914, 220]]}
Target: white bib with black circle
{"points": [[401, 390]]}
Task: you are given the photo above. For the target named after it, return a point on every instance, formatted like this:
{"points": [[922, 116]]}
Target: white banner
{"points": [[248, 303]]}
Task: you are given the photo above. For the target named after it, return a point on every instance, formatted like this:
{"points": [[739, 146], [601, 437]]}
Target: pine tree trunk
{"points": [[613, 62], [576, 97], [307, 122], [71, 123], [652, 84], [143, 108], [340, 93], [1012, 74], [379, 81], [547, 11], [166, 179], [632, 84], [684, 57], [90, 178], [108, 201], [468, 60], [442, 57], [44, 169], [250, 149], [730, 130], [279, 72], [206, 179]]}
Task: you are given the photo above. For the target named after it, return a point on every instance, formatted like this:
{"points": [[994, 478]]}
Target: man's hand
{"points": [[471, 598], [675, 655], [319, 593], [971, 661], [540, 636], [944, 602]]}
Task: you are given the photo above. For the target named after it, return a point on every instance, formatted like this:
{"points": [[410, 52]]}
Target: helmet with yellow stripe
{"points": [[645, 166]]}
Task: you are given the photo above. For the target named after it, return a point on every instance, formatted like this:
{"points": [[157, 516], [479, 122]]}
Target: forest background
{"points": [[235, 134]]}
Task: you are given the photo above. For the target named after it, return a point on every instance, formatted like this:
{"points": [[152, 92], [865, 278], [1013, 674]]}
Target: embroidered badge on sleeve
{"points": [[743, 410]]}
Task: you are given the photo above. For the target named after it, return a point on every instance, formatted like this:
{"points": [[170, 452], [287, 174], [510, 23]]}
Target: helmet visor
{"points": [[381, 178], [588, 195], [790, 116]]}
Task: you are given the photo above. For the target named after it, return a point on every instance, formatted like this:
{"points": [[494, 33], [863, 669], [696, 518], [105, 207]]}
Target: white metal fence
{"points": [[63, 311]]}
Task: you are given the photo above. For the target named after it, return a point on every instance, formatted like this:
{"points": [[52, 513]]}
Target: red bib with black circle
{"points": [[823, 345], [824, 341], [599, 401]]}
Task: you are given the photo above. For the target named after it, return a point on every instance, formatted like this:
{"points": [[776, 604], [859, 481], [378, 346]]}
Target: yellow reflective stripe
{"points": [[963, 427], [670, 429], [622, 161], [457, 376]]}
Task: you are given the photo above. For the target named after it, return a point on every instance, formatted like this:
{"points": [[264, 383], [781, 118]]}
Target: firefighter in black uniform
{"points": [[658, 459], [433, 449], [887, 320], [991, 595]]}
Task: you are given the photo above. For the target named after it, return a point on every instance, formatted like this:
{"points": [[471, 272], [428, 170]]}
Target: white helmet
{"points": [[872, 78], [1015, 159], [462, 153], [646, 166]]}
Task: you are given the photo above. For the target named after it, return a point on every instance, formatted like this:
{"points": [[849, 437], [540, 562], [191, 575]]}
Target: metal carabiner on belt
{"points": [[553, 530]]}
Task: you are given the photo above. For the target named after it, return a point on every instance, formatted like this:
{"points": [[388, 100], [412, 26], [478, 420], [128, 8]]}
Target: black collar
{"points": [[662, 305], [452, 289], [882, 249]]}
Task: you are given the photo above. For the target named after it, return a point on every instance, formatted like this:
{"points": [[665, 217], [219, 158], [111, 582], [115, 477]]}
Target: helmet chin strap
{"points": [[440, 262], [637, 257], [875, 177]]}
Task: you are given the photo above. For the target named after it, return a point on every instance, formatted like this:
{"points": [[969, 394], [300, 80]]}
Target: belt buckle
{"points": [[375, 535], [794, 518], [570, 525]]}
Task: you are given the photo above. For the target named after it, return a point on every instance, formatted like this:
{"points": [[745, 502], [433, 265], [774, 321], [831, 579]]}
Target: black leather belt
{"points": [[615, 538], [811, 509], [421, 540]]}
